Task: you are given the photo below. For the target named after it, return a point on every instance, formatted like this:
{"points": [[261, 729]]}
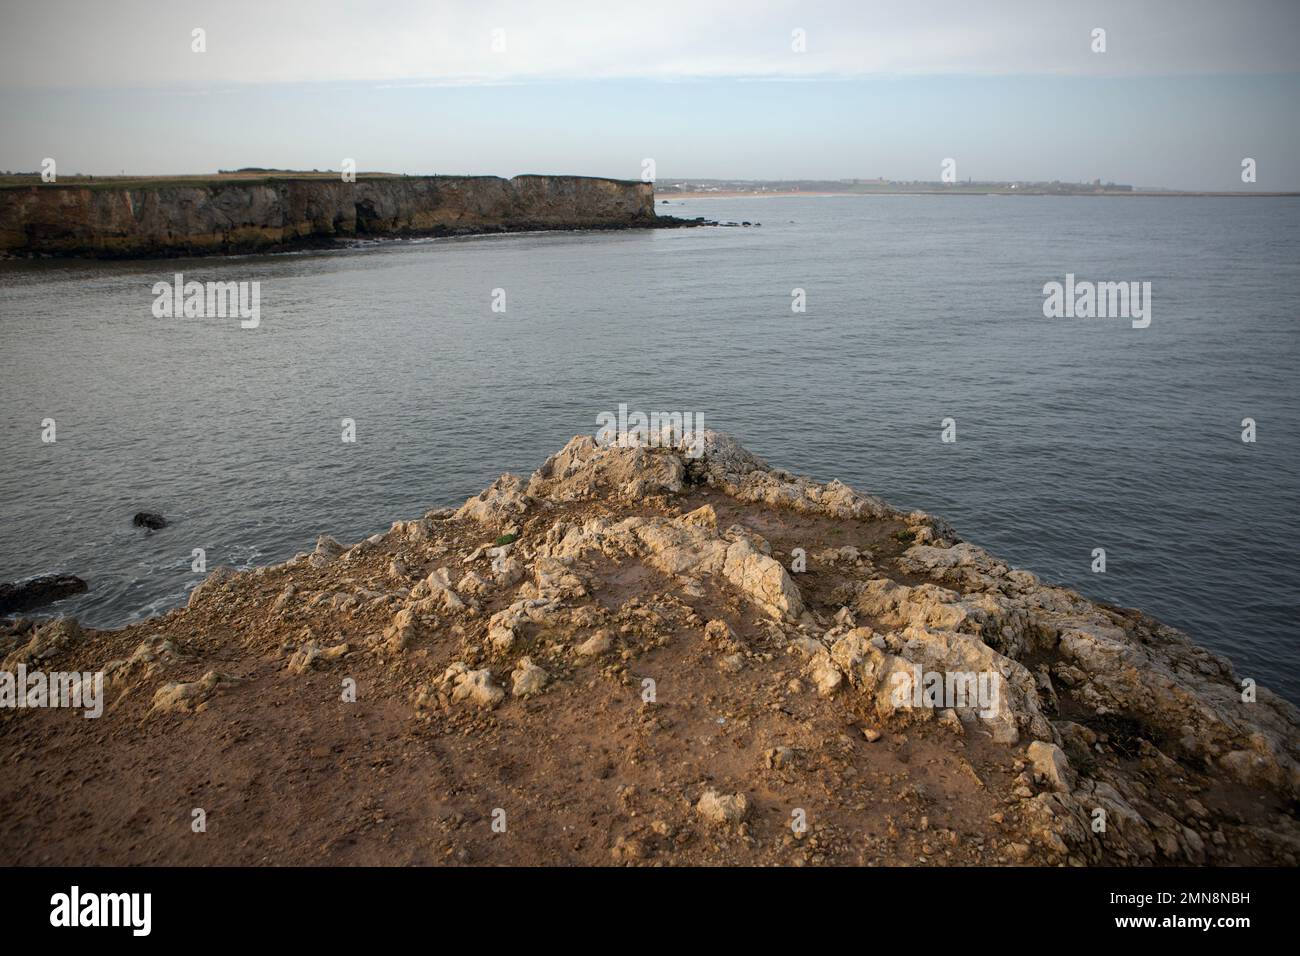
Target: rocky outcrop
{"points": [[34, 592], [47, 641], [149, 519], [706, 659], [188, 217]]}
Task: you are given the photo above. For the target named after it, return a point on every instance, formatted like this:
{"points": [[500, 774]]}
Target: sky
{"points": [[1013, 90]]}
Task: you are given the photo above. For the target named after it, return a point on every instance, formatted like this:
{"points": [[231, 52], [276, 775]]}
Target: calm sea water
{"points": [[1072, 434]]}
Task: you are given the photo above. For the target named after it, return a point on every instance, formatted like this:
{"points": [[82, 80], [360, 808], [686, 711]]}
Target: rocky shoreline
{"points": [[181, 217], [638, 656]]}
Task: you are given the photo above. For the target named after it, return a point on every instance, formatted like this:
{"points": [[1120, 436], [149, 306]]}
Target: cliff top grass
{"points": [[20, 180], [228, 177]]}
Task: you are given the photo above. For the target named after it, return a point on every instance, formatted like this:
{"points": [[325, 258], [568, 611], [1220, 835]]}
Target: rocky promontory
{"points": [[195, 216], [645, 655]]}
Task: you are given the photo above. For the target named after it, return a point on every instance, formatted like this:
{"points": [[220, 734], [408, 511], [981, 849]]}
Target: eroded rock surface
{"points": [[647, 655], [251, 215]]}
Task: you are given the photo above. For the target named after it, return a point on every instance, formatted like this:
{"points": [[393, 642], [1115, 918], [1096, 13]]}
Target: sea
{"points": [[898, 343]]}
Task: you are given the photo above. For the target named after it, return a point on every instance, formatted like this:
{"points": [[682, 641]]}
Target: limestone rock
{"points": [[327, 550], [307, 656], [722, 809], [411, 532], [499, 504], [437, 589], [471, 583], [150, 656], [212, 587], [250, 216], [185, 697], [599, 643], [948, 719], [1050, 764], [477, 688], [583, 469], [527, 678], [507, 571], [691, 545], [401, 631], [779, 758], [46, 641]]}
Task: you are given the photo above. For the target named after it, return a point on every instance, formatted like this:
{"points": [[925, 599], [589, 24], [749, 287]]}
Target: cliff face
{"points": [[264, 215], [656, 655]]}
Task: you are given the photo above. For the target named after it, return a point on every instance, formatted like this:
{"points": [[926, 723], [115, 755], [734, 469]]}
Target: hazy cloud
{"points": [[62, 44]]}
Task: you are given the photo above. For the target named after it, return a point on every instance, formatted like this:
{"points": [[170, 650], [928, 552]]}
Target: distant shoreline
{"points": [[1170, 194], [756, 195], [256, 211]]}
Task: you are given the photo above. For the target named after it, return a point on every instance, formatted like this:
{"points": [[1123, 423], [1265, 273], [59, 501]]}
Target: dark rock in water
{"points": [[149, 519], [21, 595]]}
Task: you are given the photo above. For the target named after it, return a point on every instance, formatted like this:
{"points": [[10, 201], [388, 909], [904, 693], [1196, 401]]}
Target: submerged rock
{"points": [[34, 592], [149, 519]]}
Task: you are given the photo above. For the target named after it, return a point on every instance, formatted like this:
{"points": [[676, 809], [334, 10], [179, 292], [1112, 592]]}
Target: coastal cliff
{"points": [[641, 656], [237, 215]]}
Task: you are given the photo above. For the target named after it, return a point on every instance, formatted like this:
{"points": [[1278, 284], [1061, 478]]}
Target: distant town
{"points": [[823, 187]]}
